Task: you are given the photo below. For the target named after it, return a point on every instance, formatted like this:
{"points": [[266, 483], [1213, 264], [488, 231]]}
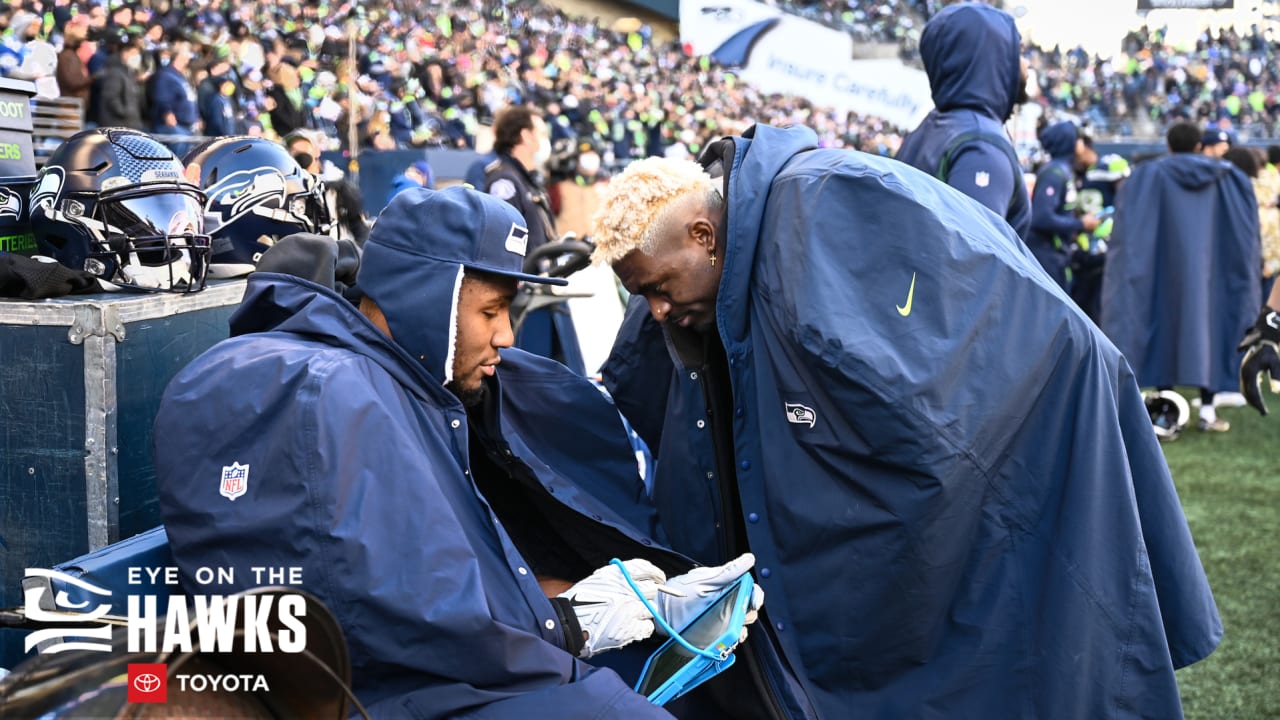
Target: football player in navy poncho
{"points": [[1183, 272], [946, 473], [454, 500], [972, 54]]}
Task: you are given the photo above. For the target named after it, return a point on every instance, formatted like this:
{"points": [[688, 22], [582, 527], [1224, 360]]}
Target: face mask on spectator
{"points": [[133, 62], [544, 152], [304, 160]]}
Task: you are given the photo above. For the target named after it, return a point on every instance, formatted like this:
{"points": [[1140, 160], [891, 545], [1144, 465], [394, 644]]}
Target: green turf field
{"points": [[1230, 487]]}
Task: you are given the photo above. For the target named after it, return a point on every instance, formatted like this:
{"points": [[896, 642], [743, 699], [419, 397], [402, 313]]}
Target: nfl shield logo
{"points": [[982, 179], [235, 480]]}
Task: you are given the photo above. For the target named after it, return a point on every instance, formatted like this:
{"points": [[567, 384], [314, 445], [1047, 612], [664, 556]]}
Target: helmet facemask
{"points": [[148, 236]]}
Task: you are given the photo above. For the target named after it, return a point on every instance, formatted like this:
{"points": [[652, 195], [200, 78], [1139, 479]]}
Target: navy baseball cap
{"points": [[456, 225], [1213, 136]]}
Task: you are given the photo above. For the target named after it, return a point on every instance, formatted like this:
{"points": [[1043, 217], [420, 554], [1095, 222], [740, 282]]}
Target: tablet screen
{"points": [[702, 632]]}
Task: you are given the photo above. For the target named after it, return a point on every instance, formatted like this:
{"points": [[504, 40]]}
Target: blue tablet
{"points": [[674, 670]]}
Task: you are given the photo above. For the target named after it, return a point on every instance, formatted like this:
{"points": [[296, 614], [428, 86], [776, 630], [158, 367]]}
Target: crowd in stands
{"points": [[424, 74], [429, 74], [1228, 78]]}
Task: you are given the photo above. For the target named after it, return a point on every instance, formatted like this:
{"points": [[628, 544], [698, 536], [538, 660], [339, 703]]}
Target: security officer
{"points": [[522, 146], [521, 143]]}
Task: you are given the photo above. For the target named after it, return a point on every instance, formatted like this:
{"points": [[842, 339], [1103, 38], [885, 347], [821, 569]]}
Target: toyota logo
{"points": [[146, 683]]}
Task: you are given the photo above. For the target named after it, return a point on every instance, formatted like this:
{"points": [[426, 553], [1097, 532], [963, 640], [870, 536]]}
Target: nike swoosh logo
{"points": [[905, 310]]}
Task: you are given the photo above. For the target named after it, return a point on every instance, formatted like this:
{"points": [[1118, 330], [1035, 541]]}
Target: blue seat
{"points": [[108, 569]]}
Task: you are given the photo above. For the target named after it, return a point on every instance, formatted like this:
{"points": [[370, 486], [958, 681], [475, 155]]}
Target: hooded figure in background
{"points": [[1054, 223], [438, 489], [1183, 270], [946, 473], [971, 53]]}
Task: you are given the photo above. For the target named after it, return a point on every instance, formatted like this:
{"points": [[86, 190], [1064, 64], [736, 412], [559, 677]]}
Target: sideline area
{"points": [[1231, 493]]}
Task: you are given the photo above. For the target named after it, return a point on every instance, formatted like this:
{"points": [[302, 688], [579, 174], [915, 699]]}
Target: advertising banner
{"points": [[780, 53]]}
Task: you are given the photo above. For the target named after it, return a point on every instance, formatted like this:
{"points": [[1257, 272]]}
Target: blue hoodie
{"points": [[1054, 226], [358, 470], [1183, 269], [171, 93], [936, 534], [971, 54]]}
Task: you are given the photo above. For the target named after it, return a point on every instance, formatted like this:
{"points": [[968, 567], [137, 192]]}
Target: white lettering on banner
{"points": [[153, 574], [177, 629], [294, 639], [223, 576], [800, 57], [222, 683], [255, 624], [276, 575], [60, 598], [215, 623], [219, 629]]}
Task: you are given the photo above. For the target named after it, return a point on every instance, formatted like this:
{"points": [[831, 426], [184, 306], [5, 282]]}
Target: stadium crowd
{"points": [[388, 75], [1229, 78], [421, 77], [425, 78]]}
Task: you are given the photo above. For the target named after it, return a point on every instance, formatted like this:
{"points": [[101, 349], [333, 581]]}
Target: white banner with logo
{"points": [[781, 53]]}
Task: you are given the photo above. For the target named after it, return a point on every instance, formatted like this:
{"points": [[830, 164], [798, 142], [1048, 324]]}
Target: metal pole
{"points": [[353, 139]]}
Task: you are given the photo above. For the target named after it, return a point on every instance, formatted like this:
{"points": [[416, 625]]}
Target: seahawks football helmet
{"points": [[1169, 413], [256, 195], [113, 202]]}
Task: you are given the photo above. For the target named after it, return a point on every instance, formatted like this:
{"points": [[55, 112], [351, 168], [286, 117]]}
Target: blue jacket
{"points": [[1054, 226], [1183, 270], [399, 184], [358, 473], [216, 110], [171, 93], [648, 388], [971, 54], [946, 472]]}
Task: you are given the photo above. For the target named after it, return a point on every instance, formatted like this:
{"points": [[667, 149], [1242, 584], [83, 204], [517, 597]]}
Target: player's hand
{"points": [[700, 587], [1261, 347], [610, 613]]}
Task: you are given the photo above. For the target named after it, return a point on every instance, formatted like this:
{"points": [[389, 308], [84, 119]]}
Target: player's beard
{"points": [[469, 397]]}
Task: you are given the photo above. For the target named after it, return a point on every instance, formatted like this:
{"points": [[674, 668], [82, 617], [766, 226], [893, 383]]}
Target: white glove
{"points": [[700, 588], [608, 609]]}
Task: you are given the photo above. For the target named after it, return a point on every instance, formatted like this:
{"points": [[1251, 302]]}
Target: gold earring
{"points": [[713, 259]]}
